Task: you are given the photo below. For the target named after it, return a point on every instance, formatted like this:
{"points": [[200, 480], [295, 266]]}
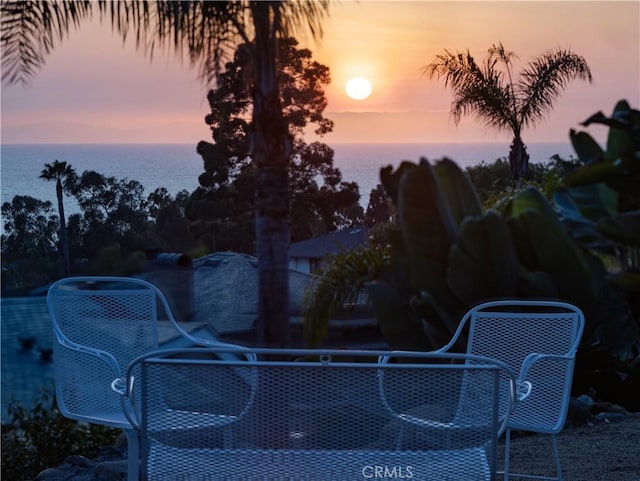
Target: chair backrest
{"points": [[541, 337], [316, 415], [100, 325]]}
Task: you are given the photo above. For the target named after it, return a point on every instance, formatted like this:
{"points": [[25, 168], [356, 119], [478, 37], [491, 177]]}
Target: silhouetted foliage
{"points": [[380, 208], [168, 226], [116, 225], [222, 208], [41, 438], [114, 212], [490, 92], [204, 31], [29, 253], [64, 176]]}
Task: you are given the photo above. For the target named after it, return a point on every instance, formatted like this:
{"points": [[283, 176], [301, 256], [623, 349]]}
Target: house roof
{"points": [[319, 247], [218, 275], [26, 343]]}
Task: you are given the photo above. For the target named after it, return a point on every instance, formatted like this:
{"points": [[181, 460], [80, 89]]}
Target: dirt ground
{"points": [[600, 452]]}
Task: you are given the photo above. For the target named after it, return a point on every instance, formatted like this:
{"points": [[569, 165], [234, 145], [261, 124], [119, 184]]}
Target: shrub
{"points": [[41, 438]]}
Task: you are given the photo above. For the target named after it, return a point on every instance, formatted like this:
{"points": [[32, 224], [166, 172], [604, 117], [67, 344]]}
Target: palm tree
{"points": [[204, 31], [497, 100], [63, 174]]}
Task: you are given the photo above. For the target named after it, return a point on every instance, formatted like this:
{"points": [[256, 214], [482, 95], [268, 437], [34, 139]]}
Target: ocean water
{"points": [[177, 166]]}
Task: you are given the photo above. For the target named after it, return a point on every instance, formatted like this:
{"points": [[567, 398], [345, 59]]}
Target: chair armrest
{"points": [[125, 387], [228, 356], [71, 378], [105, 356], [535, 358], [523, 385]]}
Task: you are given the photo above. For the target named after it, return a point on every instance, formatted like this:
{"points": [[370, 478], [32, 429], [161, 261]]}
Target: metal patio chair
{"points": [[332, 415], [100, 325], [538, 340]]}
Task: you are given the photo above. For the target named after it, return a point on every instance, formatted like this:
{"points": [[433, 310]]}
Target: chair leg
{"points": [[133, 449], [556, 461], [507, 444], [556, 456]]}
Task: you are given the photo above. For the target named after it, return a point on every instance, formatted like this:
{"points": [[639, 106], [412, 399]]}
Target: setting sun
{"points": [[358, 88]]}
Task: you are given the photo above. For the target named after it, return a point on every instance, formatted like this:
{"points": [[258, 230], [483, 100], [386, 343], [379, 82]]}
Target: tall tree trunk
{"points": [[271, 149], [64, 238], [518, 158]]}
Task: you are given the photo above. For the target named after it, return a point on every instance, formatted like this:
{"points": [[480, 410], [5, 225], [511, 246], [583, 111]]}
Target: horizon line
{"points": [[416, 142]]}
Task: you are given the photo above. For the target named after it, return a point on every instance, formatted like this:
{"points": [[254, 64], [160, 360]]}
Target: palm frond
{"points": [[498, 52], [477, 91], [204, 32], [544, 78], [302, 16], [30, 30], [490, 103]]}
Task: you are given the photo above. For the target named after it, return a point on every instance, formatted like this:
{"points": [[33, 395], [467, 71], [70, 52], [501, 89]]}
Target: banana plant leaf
{"points": [[390, 179], [581, 208], [616, 332], [610, 325], [586, 148], [624, 228], [628, 281], [483, 264], [593, 201], [400, 326], [628, 186], [427, 229], [543, 244], [438, 322], [620, 138], [536, 285], [458, 190], [593, 173]]}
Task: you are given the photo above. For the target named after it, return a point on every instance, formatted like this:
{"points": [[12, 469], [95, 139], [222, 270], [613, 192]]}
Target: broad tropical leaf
{"points": [[458, 190], [483, 264]]}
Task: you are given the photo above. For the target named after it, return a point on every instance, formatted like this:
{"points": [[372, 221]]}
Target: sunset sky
{"points": [[94, 90]]}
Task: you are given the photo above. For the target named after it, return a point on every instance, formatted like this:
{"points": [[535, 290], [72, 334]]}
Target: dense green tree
{"points": [[379, 209], [114, 211], [28, 242], [116, 223], [320, 202], [30, 226], [169, 227], [502, 103], [64, 175], [202, 30]]}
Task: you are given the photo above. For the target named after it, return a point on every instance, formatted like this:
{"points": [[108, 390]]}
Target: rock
{"points": [[607, 407], [50, 474], [111, 471], [111, 465], [608, 417], [579, 413], [77, 460]]}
